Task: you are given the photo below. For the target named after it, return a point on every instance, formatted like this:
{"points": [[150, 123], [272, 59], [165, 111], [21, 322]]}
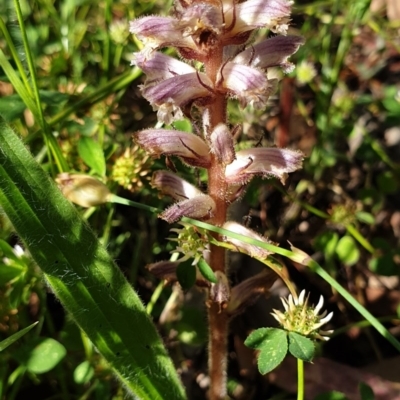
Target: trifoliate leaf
{"points": [[273, 346]]}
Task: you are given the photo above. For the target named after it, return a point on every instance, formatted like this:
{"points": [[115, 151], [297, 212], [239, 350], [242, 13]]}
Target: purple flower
{"points": [[187, 146], [265, 162]]}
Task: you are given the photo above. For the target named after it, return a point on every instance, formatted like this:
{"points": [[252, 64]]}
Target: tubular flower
{"points": [[304, 319], [199, 207], [265, 162], [187, 146], [248, 84], [156, 32], [172, 95], [273, 52], [243, 247], [172, 185], [253, 14], [159, 66]]}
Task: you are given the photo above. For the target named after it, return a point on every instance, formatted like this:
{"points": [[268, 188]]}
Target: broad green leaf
{"points": [[301, 347], [83, 373], [206, 271], [347, 251], [10, 340], [83, 276], [92, 154], [273, 346], [40, 355]]}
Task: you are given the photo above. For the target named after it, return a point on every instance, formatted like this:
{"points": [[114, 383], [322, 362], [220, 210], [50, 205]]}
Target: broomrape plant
{"points": [[219, 62]]}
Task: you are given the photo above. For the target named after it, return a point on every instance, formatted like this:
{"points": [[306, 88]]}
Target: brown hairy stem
{"points": [[217, 316]]}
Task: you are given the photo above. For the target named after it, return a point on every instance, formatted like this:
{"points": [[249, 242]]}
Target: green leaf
{"points": [[7, 250], [92, 154], [333, 395], [10, 272], [327, 242], [365, 217], [366, 392], [273, 346], [186, 274], [11, 107], [301, 347], [83, 276], [10, 340], [383, 265], [83, 373], [40, 355], [206, 271], [347, 251]]}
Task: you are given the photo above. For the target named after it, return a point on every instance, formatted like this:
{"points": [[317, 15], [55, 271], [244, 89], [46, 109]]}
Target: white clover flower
{"points": [[304, 319]]}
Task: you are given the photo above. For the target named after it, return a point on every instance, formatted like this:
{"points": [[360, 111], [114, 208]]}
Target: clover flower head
{"points": [[304, 319]]}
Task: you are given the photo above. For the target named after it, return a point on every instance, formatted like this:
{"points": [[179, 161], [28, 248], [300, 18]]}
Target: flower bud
{"points": [[220, 291], [83, 190], [222, 144]]}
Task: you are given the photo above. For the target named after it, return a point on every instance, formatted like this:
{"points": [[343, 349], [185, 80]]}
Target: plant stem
{"points": [[300, 379], [217, 316]]}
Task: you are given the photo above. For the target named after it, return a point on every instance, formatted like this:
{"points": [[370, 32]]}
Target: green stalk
{"points": [[300, 379], [50, 141], [16, 58], [296, 256], [83, 276]]}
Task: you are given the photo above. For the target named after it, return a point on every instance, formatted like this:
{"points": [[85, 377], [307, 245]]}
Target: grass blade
{"points": [[83, 276]]}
